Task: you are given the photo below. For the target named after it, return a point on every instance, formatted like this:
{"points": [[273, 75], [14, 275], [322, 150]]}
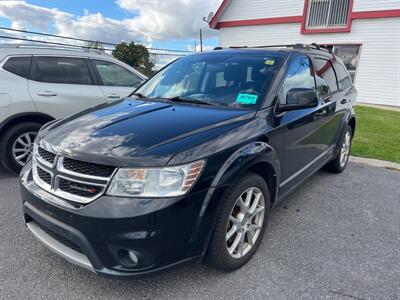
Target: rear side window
{"points": [[114, 75], [65, 70], [343, 78], [20, 66], [325, 77]]}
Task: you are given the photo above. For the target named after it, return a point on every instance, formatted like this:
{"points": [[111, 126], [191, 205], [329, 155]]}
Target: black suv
{"points": [[190, 165]]}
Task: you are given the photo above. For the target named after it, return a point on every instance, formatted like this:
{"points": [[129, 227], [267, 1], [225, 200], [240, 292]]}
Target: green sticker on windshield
{"points": [[246, 98]]}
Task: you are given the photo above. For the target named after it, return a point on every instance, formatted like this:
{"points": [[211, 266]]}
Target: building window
{"points": [[327, 14], [349, 54]]}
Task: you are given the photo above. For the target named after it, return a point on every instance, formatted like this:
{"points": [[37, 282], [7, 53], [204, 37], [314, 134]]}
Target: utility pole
{"points": [[201, 41], [195, 46]]}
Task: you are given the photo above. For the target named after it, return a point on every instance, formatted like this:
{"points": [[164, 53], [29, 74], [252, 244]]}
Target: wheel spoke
{"points": [[231, 232], [235, 243], [19, 157], [250, 236], [21, 142], [28, 138], [234, 220], [18, 150], [242, 205], [249, 195], [241, 244], [257, 211], [255, 203]]}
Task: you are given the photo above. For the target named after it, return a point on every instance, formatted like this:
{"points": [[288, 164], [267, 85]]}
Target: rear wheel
{"points": [[339, 163], [240, 224], [16, 145]]}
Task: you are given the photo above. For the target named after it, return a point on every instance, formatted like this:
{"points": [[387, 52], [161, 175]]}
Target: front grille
{"points": [[68, 178], [43, 175], [46, 155], [66, 242], [87, 168], [78, 188]]}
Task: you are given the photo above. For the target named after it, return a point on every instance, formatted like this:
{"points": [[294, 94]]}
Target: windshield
{"points": [[224, 79]]}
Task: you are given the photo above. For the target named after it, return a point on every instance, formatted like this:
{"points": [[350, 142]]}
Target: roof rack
{"points": [[66, 48], [293, 46]]}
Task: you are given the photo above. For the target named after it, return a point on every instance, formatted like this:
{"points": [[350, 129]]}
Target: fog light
{"points": [[133, 257], [128, 258]]}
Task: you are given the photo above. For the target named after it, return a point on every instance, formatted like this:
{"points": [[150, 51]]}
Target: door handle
{"points": [[320, 114], [113, 96], [344, 101], [47, 94]]}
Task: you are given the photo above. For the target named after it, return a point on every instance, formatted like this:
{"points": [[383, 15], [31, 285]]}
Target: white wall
{"points": [[368, 5], [378, 72], [256, 9]]}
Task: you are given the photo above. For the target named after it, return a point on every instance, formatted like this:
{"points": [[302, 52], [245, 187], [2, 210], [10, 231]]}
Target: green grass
{"points": [[377, 134]]}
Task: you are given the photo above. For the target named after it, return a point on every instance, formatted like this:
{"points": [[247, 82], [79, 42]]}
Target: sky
{"points": [[172, 24]]}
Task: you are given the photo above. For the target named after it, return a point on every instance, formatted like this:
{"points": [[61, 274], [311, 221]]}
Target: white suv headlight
{"points": [[155, 182]]}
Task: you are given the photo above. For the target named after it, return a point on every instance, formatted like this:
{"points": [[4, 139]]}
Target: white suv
{"points": [[39, 84]]}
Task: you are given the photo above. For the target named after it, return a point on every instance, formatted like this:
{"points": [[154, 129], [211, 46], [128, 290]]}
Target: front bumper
{"points": [[163, 233]]}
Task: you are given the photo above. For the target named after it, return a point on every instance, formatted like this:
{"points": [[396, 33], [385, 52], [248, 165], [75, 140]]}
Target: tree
{"points": [[95, 45], [136, 56]]}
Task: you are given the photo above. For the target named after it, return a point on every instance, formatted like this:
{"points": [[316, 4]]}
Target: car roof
{"points": [[21, 49], [272, 49]]}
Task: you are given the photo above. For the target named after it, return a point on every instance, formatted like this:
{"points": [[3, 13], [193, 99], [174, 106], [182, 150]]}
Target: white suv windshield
{"points": [[226, 79]]}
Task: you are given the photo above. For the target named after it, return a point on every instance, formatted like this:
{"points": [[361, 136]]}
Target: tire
{"points": [[339, 163], [218, 254], [8, 160]]}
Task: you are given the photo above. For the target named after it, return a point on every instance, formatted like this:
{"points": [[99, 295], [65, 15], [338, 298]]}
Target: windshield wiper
{"points": [[189, 100]]}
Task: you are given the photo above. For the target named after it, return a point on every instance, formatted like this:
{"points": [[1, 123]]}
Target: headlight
{"points": [[155, 182]]}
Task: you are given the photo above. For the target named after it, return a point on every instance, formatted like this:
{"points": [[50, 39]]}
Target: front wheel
{"points": [[16, 145], [339, 163], [240, 224]]}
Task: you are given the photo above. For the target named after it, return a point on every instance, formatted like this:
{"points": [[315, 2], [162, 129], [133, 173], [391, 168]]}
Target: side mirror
{"points": [[298, 98]]}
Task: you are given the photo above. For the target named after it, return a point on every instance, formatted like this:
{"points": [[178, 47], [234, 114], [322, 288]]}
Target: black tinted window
{"points": [[299, 75], [325, 76], [19, 66], [62, 70], [343, 78]]}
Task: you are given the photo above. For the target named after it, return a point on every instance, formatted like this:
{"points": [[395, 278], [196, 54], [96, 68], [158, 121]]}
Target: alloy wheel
{"points": [[22, 147], [245, 222], [345, 150]]}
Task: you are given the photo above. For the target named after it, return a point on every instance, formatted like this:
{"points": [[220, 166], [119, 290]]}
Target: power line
{"points": [[78, 46], [84, 40]]}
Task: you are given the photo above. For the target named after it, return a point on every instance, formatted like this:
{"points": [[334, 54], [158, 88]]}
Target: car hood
{"points": [[129, 132]]}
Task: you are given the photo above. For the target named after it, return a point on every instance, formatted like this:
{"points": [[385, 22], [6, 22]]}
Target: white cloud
{"points": [[170, 19], [155, 21]]}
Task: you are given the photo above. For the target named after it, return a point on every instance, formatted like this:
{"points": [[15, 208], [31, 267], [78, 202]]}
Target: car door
{"points": [[304, 143], [115, 80], [60, 86], [334, 89]]}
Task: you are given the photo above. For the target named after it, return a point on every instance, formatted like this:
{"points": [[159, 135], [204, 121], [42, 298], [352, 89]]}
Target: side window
{"points": [[67, 70], [325, 77], [299, 75], [343, 78], [114, 75], [20, 66]]}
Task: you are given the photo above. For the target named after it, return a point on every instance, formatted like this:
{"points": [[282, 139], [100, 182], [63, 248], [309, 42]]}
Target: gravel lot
{"points": [[337, 237]]}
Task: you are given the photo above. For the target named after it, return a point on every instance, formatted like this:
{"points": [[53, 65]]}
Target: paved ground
{"points": [[337, 237]]}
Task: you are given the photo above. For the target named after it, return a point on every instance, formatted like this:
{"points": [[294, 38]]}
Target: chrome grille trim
{"points": [[57, 172]]}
